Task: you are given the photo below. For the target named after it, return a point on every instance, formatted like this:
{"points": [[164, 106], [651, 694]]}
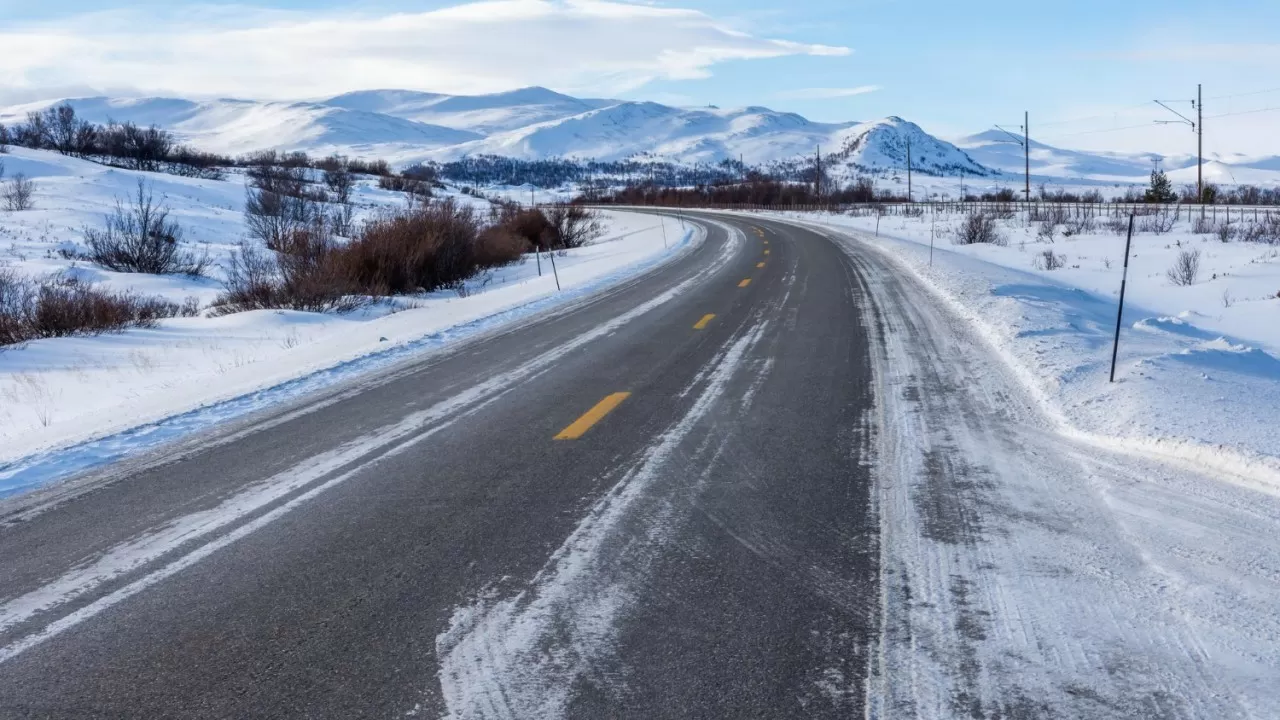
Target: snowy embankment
{"points": [[1199, 366], [71, 403]]}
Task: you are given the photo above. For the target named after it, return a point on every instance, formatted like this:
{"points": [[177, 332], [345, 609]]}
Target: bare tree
{"points": [[140, 237], [338, 178], [18, 193], [1186, 269], [4, 139], [573, 225]]}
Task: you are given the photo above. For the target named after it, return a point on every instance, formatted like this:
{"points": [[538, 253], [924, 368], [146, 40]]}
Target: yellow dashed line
{"points": [[702, 324], [592, 416]]}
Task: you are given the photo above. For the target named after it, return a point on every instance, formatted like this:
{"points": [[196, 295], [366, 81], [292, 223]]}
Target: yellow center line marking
{"points": [[759, 265], [592, 416], [704, 322], [766, 252], [745, 283]]}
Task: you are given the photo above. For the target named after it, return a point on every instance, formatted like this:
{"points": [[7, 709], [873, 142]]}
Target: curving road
{"points": [[771, 479]]}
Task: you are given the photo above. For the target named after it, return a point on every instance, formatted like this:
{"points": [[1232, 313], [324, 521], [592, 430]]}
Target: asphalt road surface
{"points": [[763, 481]]}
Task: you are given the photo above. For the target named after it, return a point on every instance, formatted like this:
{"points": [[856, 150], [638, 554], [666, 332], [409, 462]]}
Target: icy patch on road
{"points": [[519, 657]]}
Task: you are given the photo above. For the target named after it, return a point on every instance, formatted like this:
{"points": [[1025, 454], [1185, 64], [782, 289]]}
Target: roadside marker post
{"points": [[552, 254], [1115, 346]]}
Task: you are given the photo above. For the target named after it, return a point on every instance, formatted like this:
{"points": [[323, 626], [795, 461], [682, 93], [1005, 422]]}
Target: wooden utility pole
{"points": [[909, 169], [817, 174], [1200, 144], [1026, 147]]}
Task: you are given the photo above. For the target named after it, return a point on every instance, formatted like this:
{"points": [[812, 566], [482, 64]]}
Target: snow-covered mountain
{"points": [[883, 144], [627, 129], [533, 123], [484, 114]]}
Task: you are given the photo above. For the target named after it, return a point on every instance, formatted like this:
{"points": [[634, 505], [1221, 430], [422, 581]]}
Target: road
{"points": [[771, 479]]}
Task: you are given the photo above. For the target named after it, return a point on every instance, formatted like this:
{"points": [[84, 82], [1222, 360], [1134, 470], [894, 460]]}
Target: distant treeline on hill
{"points": [[151, 149]]}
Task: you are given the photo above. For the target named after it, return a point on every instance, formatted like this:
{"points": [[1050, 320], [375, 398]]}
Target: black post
{"points": [[1115, 347], [552, 254]]}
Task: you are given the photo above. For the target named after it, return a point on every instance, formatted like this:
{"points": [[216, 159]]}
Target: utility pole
{"points": [[909, 169], [1026, 147], [1200, 145], [1197, 127], [1025, 142], [817, 175]]}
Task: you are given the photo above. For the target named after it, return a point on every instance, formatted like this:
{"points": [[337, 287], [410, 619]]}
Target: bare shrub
{"points": [[61, 306], [980, 228], [1078, 225], [302, 276], [1204, 225], [1049, 260], [19, 193], [418, 249], [1186, 269], [1045, 232], [1265, 231], [1117, 225], [272, 216], [1225, 231], [574, 226], [140, 238], [338, 178], [1158, 223]]}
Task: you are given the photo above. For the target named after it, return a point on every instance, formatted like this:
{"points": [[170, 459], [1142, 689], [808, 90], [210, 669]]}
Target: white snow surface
{"points": [[62, 392], [1198, 375]]}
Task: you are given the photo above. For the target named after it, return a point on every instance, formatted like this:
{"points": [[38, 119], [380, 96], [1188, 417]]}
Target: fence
{"points": [[1189, 212]]}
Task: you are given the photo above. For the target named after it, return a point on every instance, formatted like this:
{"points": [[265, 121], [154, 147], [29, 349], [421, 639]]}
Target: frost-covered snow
{"points": [[58, 392], [1199, 366]]}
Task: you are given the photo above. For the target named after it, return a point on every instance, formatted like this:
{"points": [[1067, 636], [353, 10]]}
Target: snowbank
{"points": [[1199, 366]]}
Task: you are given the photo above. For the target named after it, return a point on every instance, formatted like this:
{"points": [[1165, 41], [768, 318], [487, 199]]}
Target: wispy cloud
{"points": [[589, 46], [827, 93]]}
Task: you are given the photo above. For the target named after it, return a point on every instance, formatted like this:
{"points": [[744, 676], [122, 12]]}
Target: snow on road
{"points": [[1030, 573]]}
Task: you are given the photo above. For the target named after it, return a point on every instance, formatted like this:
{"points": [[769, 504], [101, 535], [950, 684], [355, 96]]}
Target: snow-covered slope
{"points": [[883, 144], [484, 114], [239, 126], [626, 129], [995, 149], [533, 123]]}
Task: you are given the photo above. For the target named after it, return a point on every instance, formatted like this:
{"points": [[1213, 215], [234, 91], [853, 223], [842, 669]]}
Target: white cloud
{"points": [[582, 46], [827, 93]]}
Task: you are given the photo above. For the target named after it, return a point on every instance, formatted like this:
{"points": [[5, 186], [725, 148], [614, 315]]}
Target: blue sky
{"points": [[1081, 68]]}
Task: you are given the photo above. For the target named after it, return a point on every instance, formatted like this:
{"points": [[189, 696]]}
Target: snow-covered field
{"points": [[1199, 365], [194, 371]]}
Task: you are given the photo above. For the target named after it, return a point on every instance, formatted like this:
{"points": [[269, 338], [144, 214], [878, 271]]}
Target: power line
{"points": [[1246, 112], [1095, 117], [1246, 94]]}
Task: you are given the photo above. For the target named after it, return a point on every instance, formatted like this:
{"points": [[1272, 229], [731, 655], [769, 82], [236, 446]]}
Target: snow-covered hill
{"points": [[883, 144], [484, 114], [626, 129], [403, 127], [238, 126], [995, 149], [533, 123]]}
